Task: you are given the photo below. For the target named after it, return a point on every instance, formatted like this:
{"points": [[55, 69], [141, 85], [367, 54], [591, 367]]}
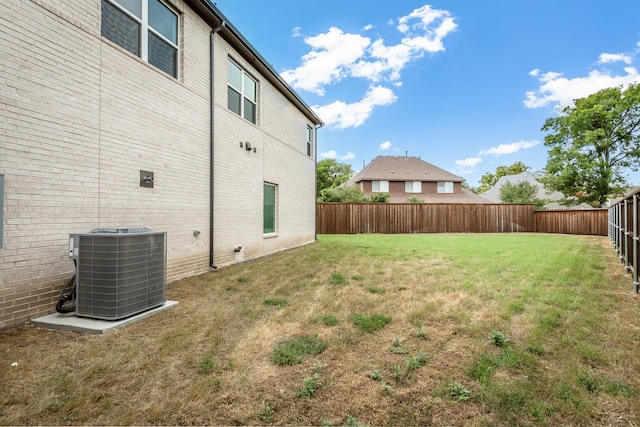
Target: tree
{"points": [[521, 192], [331, 174], [345, 194], [591, 144], [489, 179]]}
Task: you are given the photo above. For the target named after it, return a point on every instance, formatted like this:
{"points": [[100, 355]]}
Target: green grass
{"points": [[491, 329], [294, 350]]}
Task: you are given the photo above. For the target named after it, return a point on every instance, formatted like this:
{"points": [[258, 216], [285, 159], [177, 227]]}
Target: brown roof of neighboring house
{"points": [[402, 168]]}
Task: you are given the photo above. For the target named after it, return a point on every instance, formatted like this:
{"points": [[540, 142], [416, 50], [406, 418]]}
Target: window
{"points": [[146, 28], [445, 187], [269, 211], [241, 92], [309, 141], [413, 187], [380, 186]]}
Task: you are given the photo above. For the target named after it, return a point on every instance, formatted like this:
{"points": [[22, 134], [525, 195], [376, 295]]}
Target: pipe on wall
{"points": [[212, 146]]}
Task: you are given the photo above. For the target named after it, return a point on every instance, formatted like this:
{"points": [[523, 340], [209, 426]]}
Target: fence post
{"points": [[626, 237], [636, 285]]}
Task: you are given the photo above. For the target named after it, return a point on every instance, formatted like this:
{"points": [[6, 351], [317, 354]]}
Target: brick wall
{"points": [[80, 117]]}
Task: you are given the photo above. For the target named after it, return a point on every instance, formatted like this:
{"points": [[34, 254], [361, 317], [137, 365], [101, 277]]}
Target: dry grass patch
{"points": [[563, 305]]}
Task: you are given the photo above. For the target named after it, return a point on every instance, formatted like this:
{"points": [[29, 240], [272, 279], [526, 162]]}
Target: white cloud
{"points": [[336, 55], [331, 55], [469, 164], [606, 58], [508, 148], [333, 154], [341, 115], [385, 146], [555, 89], [296, 32]]}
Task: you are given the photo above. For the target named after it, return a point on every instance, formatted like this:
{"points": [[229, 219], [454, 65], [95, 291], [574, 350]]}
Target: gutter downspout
{"points": [[212, 141]]}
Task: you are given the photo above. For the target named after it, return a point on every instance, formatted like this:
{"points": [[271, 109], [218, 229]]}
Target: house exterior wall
{"points": [[397, 190], [80, 117]]}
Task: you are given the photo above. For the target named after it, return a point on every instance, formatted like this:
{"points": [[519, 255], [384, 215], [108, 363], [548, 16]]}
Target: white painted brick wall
{"points": [[80, 117]]}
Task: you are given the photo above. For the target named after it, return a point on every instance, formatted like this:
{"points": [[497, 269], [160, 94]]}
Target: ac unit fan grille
{"points": [[119, 275]]}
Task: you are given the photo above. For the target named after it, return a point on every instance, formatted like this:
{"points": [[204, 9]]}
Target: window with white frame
{"points": [[309, 141], [146, 28], [379, 186], [269, 208], [241, 92], [413, 187], [445, 187]]}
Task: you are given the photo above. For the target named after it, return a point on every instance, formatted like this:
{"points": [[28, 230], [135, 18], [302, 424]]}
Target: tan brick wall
{"points": [[80, 117]]}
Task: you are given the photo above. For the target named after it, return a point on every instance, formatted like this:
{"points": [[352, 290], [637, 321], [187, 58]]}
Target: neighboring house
{"points": [[99, 96], [403, 177], [493, 194]]}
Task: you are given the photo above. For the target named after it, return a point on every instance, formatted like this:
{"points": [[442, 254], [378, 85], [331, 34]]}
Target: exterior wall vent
{"points": [[119, 271]]}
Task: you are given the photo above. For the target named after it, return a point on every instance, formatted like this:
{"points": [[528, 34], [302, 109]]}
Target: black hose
{"points": [[67, 295]]}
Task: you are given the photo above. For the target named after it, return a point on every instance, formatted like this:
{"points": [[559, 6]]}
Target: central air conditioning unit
{"points": [[119, 271]]}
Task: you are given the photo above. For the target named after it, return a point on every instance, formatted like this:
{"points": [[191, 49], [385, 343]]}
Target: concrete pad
{"points": [[71, 322]]}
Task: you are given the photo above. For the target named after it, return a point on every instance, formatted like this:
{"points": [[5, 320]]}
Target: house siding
{"points": [[80, 117], [397, 192]]}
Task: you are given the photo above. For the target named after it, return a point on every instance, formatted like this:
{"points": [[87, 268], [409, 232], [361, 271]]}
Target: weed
{"points": [[421, 333], [396, 342], [458, 391], [412, 363], [207, 364], [499, 339], [535, 349], [276, 302], [385, 387], [357, 277], [267, 412], [371, 323], [483, 369], [330, 320], [375, 375], [375, 290], [294, 350], [311, 384], [337, 279], [591, 383], [353, 422]]}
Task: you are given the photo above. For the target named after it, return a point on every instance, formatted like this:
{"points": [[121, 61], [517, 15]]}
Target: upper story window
{"points": [[445, 187], [309, 141], [379, 186], [146, 28], [241, 92], [413, 187]]}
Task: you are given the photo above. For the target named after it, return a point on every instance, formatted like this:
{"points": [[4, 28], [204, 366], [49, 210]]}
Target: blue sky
{"points": [[465, 85]]}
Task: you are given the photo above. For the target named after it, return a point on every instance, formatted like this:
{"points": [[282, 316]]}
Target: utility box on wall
{"points": [[119, 271]]}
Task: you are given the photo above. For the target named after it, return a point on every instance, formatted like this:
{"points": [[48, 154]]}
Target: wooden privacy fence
{"points": [[395, 218], [623, 232]]}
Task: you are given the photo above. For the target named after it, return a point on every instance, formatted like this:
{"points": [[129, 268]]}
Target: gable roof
{"points": [[402, 168]]}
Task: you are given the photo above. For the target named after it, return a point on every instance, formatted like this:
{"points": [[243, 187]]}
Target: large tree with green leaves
{"points": [[521, 192], [592, 144], [330, 174], [489, 179]]}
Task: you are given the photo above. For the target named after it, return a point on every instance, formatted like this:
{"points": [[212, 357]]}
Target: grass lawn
{"points": [[425, 329]]}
